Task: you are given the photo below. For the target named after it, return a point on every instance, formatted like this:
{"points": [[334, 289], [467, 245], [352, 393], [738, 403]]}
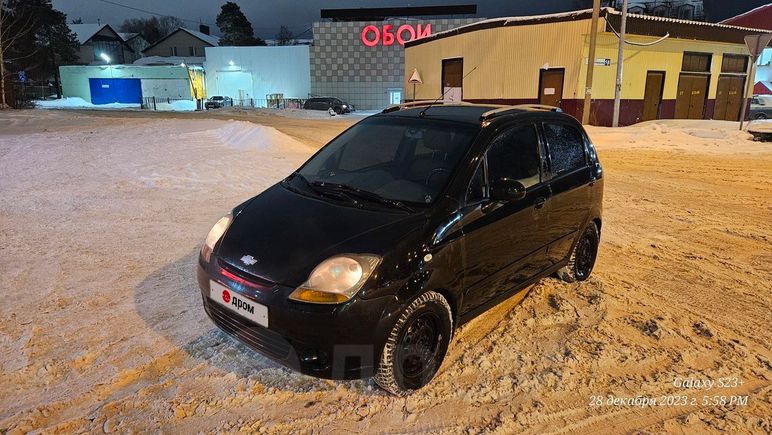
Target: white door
{"points": [[395, 96]]}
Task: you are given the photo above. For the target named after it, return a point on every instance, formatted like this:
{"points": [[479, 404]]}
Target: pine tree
{"points": [[235, 27], [42, 40]]}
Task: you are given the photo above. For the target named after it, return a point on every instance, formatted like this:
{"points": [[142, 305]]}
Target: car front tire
{"points": [[416, 345], [583, 257]]}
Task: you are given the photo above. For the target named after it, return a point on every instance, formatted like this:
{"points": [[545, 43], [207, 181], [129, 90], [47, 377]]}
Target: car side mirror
{"points": [[507, 189]]}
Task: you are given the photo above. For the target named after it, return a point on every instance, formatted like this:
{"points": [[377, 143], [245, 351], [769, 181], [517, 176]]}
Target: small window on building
{"points": [[660, 11], [191, 51], [734, 63], [172, 51], [566, 147], [686, 12], [696, 62]]}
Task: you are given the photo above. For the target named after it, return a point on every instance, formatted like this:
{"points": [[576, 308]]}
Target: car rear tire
{"points": [[416, 345], [761, 116], [583, 257]]}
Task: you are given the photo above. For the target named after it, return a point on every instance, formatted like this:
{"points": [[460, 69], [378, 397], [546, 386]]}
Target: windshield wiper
{"points": [[362, 194], [314, 187]]}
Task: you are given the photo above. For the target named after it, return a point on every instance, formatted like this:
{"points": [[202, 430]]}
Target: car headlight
{"points": [[214, 235], [336, 279]]}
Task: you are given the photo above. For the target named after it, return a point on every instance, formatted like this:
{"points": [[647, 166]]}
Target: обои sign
{"points": [[372, 35]]}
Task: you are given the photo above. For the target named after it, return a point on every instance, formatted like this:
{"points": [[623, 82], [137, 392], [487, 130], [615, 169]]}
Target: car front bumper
{"points": [[341, 341]]}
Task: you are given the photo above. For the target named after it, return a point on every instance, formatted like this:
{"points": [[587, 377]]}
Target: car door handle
{"points": [[539, 202]]}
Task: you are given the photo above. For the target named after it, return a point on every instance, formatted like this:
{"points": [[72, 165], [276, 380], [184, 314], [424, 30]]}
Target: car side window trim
{"points": [[482, 164]]}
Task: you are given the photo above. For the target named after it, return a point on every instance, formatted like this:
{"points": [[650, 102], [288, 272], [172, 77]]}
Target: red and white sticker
{"points": [[238, 303]]}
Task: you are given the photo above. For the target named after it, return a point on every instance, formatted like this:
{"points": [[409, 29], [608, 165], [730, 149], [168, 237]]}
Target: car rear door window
{"points": [[514, 154], [566, 146]]}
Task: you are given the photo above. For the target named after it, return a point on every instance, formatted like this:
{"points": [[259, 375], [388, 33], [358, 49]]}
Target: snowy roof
{"points": [[582, 14], [127, 36], [209, 39], [169, 60], [760, 16], [84, 32]]}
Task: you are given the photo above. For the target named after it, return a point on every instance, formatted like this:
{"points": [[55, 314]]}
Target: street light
{"points": [[104, 56]]}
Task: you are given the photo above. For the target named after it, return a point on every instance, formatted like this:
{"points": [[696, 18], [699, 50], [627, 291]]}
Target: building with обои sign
{"points": [[358, 54]]}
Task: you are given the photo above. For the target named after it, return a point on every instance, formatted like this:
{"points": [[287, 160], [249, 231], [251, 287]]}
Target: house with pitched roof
{"points": [[98, 39], [182, 43]]}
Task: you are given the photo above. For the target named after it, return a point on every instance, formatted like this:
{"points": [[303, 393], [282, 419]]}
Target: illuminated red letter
{"points": [[370, 42], [388, 37], [426, 31], [409, 29]]}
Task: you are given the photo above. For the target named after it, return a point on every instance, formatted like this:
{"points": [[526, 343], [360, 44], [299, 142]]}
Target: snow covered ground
{"points": [[80, 103], [101, 328]]}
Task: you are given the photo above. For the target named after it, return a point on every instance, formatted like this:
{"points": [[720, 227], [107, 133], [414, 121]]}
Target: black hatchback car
{"points": [[326, 103], [364, 261]]}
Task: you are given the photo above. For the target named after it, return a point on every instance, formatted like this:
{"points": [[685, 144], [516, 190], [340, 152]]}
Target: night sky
{"points": [[267, 15]]}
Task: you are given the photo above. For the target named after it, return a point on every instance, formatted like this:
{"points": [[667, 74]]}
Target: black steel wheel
{"points": [[416, 345], [583, 257]]}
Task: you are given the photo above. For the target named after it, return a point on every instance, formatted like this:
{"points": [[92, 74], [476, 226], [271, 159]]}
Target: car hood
{"points": [[288, 234]]}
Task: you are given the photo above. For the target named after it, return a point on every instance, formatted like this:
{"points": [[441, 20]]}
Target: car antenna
{"points": [[423, 112]]}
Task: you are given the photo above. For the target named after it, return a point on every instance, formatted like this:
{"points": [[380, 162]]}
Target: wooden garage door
{"points": [[729, 97], [692, 93]]}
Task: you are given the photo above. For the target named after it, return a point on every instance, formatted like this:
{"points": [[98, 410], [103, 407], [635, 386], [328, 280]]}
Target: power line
{"points": [[148, 12]]}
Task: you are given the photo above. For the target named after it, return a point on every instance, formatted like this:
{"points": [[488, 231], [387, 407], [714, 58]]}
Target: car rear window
{"points": [[566, 146]]}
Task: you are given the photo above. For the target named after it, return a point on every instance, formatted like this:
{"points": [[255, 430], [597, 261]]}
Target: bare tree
{"points": [[285, 36], [152, 29], [9, 21]]}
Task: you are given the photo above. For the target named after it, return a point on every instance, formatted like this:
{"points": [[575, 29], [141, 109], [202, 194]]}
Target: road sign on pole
{"points": [[756, 44], [415, 79]]}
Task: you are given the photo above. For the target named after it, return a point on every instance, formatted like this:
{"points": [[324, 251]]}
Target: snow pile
{"points": [[79, 103], [243, 135], [680, 135], [177, 106]]}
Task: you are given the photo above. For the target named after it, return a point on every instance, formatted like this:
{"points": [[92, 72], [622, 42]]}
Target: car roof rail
{"points": [[518, 107], [395, 107]]}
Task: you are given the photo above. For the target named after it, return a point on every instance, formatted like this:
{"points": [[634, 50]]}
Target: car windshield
{"points": [[401, 159], [217, 98]]}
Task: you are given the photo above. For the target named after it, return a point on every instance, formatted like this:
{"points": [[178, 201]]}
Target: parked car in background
{"points": [[761, 107], [407, 224], [218, 101], [326, 103]]}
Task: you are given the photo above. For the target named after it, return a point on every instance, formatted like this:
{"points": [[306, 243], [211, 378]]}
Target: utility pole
{"points": [[591, 62], [620, 61]]}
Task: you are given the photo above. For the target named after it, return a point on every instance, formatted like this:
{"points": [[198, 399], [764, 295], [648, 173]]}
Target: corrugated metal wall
{"points": [[665, 56], [508, 60]]}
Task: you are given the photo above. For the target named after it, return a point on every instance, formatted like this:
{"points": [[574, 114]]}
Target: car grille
{"points": [[262, 282], [255, 336]]}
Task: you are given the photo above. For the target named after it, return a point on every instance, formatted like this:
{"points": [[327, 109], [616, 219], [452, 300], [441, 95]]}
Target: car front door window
{"points": [[514, 154]]}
